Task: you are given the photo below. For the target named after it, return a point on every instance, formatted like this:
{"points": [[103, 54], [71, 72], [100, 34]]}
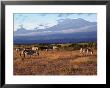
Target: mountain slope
{"points": [[67, 30]]}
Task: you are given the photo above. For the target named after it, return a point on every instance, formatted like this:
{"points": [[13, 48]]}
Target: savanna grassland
{"points": [[66, 60]]}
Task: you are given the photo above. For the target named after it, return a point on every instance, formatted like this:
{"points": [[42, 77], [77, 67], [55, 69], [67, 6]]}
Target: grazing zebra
{"points": [[35, 48], [29, 52], [89, 50], [46, 48], [19, 49], [55, 47], [86, 51]]}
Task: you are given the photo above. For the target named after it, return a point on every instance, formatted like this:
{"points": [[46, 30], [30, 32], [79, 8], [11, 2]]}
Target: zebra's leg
{"points": [[38, 53], [91, 52], [24, 55], [80, 52], [20, 54], [87, 52], [83, 52], [81, 55]]}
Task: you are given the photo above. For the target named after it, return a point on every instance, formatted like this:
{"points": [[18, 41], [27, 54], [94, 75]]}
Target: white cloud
{"points": [[66, 31]]}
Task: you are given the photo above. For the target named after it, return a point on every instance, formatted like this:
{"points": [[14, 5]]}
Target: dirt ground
{"points": [[55, 62]]}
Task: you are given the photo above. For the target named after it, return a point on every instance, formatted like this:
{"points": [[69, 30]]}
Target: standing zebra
{"points": [[86, 51], [29, 52]]}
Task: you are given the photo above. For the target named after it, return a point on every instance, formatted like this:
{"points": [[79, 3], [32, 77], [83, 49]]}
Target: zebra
{"points": [[46, 48], [55, 47], [19, 49], [89, 50], [35, 48], [29, 52], [86, 51]]}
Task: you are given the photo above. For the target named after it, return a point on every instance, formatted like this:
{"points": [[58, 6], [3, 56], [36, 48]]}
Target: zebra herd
{"points": [[35, 51]]}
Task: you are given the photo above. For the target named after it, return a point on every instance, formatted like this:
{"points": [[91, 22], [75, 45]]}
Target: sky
{"points": [[30, 21]]}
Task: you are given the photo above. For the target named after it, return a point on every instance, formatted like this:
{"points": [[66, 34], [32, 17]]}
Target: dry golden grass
{"points": [[56, 63]]}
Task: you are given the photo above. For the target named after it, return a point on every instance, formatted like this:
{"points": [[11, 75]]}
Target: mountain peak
{"points": [[63, 24], [80, 19], [21, 29]]}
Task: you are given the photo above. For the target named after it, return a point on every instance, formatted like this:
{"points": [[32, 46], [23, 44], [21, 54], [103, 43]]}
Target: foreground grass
{"points": [[56, 63]]}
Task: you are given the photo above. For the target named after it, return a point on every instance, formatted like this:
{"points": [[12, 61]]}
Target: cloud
{"points": [[64, 14], [40, 25], [66, 31], [31, 21], [69, 14]]}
